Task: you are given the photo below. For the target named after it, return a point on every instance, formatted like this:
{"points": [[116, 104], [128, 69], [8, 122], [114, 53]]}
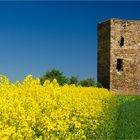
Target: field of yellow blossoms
{"points": [[31, 111]]}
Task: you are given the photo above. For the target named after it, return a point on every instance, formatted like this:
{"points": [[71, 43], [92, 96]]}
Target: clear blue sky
{"points": [[38, 36]]}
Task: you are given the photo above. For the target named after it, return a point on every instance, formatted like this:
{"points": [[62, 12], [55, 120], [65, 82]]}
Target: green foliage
{"points": [[99, 85], [128, 121], [55, 74], [74, 80], [107, 128], [122, 120], [62, 79], [88, 82]]}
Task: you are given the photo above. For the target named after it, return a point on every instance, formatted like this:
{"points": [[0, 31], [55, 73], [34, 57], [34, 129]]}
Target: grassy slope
{"points": [[128, 124]]}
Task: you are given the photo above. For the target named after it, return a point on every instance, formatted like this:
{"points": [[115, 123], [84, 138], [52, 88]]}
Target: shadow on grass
{"points": [[128, 122]]}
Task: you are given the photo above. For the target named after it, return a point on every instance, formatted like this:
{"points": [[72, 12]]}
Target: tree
{"points": [[74, 80], [62, 79], [54, 74], [88, 82], [99, 85]]}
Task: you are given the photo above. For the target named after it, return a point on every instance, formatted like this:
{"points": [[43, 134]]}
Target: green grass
{"points": [[128, 120]]}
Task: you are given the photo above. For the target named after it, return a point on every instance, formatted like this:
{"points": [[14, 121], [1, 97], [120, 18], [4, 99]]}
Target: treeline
{"points": [[62, 79]]}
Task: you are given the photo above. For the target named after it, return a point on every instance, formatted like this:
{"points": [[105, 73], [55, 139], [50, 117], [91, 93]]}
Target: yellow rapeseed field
{"points": [[31, 111]]}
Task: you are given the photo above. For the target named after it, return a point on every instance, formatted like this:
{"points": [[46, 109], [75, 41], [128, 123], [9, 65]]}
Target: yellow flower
{"points": [[32, 111]]}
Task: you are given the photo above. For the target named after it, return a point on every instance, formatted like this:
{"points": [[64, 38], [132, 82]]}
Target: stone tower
{"points": [[119, 55]]}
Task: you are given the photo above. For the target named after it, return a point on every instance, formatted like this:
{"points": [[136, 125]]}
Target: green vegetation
{"points": [[128, 121], [122, 121], [125, 118], [88, 82], [74, 80], [54, 74], [62, 79]]}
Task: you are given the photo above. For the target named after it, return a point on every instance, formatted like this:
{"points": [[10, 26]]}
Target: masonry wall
{"points": [[119, 55], [103, 64], [128, 79]]}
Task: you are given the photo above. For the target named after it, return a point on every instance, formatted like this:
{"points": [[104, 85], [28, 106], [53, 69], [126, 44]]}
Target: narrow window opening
{"points": [[119, 65], [122, 42]]}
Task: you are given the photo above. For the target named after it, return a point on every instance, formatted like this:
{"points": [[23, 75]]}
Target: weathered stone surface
{"points": [[111, 47]]}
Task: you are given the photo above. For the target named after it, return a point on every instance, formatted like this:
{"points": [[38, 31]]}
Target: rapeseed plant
{"points": [[29, 110]]}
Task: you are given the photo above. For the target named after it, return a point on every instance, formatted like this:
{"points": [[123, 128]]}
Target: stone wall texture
{"points": [[119, 40]]}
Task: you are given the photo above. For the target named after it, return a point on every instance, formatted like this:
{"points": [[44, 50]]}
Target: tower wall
{"points": [[119, 57], [104, 54]]}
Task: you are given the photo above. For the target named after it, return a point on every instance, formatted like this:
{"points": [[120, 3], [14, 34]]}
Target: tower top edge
{"points": [[118, 19]]}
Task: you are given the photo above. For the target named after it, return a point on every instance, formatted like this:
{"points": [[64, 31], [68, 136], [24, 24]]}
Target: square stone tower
{"points": [[119, 55]]}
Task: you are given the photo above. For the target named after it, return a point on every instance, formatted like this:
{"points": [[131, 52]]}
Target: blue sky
{"points": [[38, 36]]}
